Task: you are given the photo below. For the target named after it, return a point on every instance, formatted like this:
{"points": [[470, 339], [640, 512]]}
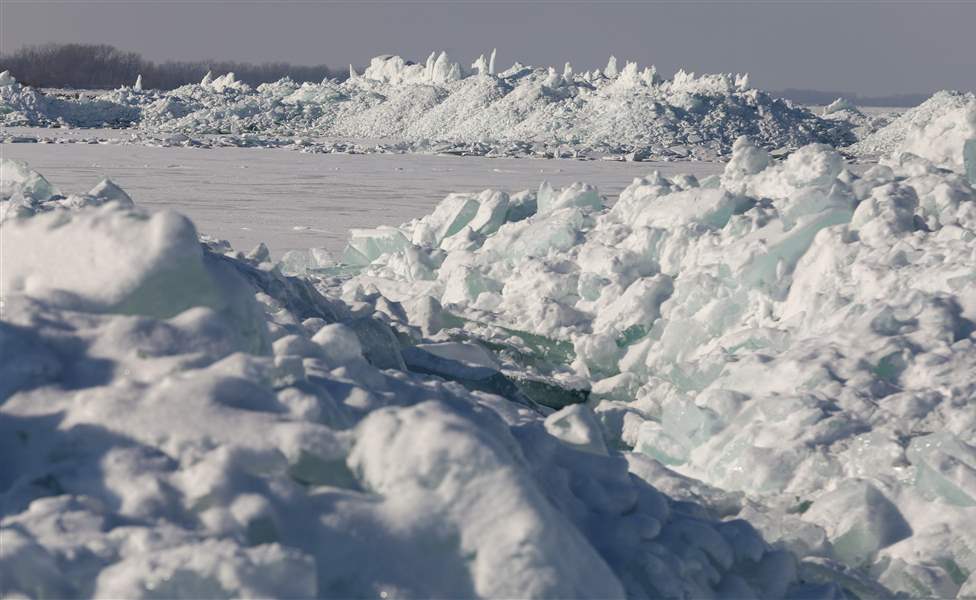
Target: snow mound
{"points": [[943, 139], [892, 138], [799, 339], [180, 421], [625, 110]]}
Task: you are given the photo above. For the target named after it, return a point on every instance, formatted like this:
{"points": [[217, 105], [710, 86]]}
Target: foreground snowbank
{"points": [[625, 110], [793, 334], [178, 420]]}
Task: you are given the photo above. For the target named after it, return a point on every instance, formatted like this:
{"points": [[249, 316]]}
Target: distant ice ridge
{"points": [[625, 109], [23, 105], [181, 421], [798, 338]]}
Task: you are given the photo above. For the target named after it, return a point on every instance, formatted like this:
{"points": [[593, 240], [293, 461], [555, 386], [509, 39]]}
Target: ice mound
{"points": [[23, 105], [181, 421], [935, 114], [629, 111], [943, 140], [799, 339]]}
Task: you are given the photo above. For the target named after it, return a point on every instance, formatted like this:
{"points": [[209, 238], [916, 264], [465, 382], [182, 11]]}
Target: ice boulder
{"points": [[578, 195], [17, 178], [943, 140], [859, 519], [6, 79], [108, 191], [366, 245]]}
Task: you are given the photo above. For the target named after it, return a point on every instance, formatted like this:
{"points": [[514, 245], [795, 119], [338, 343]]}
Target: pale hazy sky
{"points": [[867, 47]]}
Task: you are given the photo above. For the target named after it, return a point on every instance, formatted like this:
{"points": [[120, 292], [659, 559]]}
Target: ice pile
{"points": [[796, 337], [625, 110], [178, 421], [923, 124], [23, 105], [861, 124]]}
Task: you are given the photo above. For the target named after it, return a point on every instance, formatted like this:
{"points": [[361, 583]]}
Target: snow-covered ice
{"points": [[457, 377], [794, 334], [180, 422], [619, 110], [294, 201]]}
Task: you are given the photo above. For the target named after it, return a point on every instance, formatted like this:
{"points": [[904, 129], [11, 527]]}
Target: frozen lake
{"points": [[292, 200]]}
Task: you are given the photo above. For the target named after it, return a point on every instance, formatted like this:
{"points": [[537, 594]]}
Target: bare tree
{"points": [[100, 66]]}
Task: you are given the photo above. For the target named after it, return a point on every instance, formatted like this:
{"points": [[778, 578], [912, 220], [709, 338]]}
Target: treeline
{"points": [[100, 66]]}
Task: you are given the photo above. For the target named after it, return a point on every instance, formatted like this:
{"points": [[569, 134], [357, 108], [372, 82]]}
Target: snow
{"points": [[594, 378], [891, 138], [179, 421], [793, 332], [294, 201], [628, 110]]}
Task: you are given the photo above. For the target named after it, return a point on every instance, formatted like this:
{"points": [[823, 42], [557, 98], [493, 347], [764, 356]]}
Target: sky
{"points": [[866, 47]]}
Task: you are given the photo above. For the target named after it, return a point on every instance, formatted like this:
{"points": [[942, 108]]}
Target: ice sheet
{"points": [[291, 200]]}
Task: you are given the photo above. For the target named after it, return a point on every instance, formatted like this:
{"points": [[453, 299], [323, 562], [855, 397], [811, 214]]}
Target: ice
{"points": [[945, 468], [969, 158], [941, 112], [798, 331], [152, 450], [137, 86], [942, 140], [859, 521], [6, 79], [438, 106], [18, 179], [366, 245], [300, 262]]}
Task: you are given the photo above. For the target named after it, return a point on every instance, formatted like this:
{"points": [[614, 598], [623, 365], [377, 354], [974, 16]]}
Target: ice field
{"points": [[748, 376], [292, 200]]}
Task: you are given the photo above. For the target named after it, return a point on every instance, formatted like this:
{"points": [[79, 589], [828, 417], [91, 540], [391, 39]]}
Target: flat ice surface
{"points": [[291, 200]]}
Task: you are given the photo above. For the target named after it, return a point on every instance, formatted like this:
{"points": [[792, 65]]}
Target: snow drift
{"points": [[179, 420]]}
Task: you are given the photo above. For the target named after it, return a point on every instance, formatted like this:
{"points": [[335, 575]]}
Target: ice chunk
{"points": [[339, 343], [969, 158], [17, 178], [945, 468], [137, 86], [492, 211], [366, 245], [578, 426], [859, 519], [577, 195], [108, 191], [379, 343], [300, 262], [6, 79], [469, 354]]}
